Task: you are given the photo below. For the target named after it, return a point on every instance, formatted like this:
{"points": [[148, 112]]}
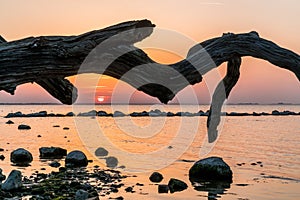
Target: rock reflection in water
{"points": [[214, 188]]}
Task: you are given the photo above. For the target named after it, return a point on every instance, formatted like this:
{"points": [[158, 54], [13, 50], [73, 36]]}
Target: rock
{"points": [[21, 157], [88, 114], [9, 122], [101, 152], [54, 164], [66, 128], [16, 114], [111, 162], [13, 182], [76, 159], [52, 152], [129, 189], [162, 188], [81, 195], [176, 185], [212, 168], [118, 114], [39, 136], [1, 149], [156, 177], [70, 114], [102, 113], [56, 126], [275, 112], [2, 157], [24, 127], [2, 176]]}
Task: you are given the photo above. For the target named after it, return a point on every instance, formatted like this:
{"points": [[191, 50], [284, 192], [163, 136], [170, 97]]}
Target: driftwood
{"points": [[47, 60]]}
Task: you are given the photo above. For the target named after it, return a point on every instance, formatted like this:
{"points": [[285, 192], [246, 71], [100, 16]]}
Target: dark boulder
{"points": [[176, 185], [9, 122], [162, 188], [212, 168], [76, 159], [52, 152], [156, 177], [21, 157], [111, 161], [24, 127]]}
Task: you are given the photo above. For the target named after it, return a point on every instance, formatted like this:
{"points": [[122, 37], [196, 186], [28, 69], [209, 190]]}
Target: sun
{"points": [[100, 98]]}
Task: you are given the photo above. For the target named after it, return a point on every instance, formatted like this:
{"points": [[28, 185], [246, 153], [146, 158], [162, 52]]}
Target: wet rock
{"points": [[212, 168], [88, 114], [156, 177], [275, 112], [129, 189], [13, 182], [70, 114], [162, 188], [52, 152], [9, 122], [111, 162], [81, 195], [24, 127], [54, 164], [21, 157], [16, 114], [118, 114], [102, 113], [2, 157], [176, 185], [2, 176], [101, 152], [76, 159]]}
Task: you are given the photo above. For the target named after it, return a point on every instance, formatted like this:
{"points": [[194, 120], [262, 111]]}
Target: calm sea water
{"points": [[146, 144]]}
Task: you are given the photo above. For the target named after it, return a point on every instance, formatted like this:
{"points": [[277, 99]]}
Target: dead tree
{"points": [[47, 60]]}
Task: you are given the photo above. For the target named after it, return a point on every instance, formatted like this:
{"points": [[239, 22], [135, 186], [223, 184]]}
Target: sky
{"points": [[196, 20]]}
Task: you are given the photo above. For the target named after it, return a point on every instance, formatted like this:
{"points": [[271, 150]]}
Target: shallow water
{"points": [[147, 144]]}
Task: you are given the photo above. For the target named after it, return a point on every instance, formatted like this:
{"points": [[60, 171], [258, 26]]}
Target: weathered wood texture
{"points": [[47, 60]]}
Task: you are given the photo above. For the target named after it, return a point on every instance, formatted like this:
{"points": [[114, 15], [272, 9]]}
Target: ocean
{"points": [[262, 151]]}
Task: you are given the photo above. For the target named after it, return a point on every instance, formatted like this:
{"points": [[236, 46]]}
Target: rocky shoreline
{"points": [[77, 181], [152, 113]]}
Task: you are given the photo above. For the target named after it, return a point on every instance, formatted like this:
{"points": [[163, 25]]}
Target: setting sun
{"points": [[100, 98]]}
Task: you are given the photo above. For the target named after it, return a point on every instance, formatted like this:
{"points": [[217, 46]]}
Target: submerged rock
{"points": [[13, 182], [21, 157], [176, 185], [212, 168], [76, 159], [101, 152], [24, 127], [52, 152], [156, 177], [111, 162]]}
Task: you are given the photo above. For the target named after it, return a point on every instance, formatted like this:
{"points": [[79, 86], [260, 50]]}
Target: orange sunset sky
{"points": [[260, 82]]}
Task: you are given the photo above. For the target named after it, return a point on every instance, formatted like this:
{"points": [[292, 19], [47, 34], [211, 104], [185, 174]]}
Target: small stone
{"points": [[111, 162], [81, 195], [21, 157], [13, 182], [39, 136], [156, 177], [2, 157], [9, 122], [56, 126], [253, 164], [66, 128], [129, 189], [24, 127], [101, 152], [1, 149], [176, 185], [54, 164], [163, 188]]}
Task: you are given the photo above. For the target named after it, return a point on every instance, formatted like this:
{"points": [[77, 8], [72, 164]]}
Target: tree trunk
{"points": [[47, 60]]}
